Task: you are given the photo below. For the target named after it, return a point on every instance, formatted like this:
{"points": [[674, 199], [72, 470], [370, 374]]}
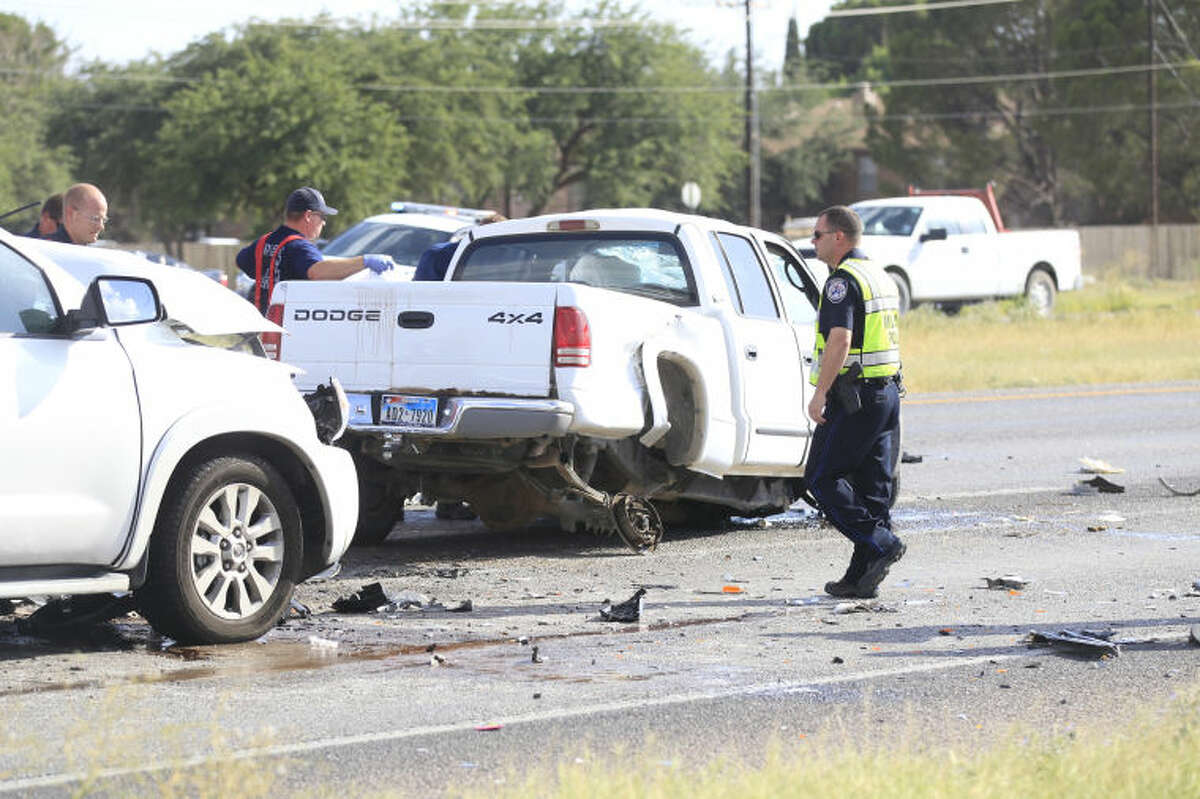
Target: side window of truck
{"points": [[744, 275], [801, 305], [27, 305]]}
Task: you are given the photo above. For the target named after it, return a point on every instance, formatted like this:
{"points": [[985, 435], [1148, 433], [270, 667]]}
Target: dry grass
{"points": [[1113, 331], [1155, 756]]}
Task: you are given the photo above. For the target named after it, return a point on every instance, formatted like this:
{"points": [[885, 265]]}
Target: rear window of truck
{"points": [[648, 265]]}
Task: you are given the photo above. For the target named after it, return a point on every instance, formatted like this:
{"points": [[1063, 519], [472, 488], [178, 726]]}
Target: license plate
{"points": [[399, 409]]}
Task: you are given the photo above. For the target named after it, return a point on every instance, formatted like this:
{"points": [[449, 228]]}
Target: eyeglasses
{"points": [[96, 219], [318, 213], [817, 234]]}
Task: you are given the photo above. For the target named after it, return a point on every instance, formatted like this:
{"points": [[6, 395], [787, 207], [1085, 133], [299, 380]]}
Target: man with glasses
{"points": [[288, 252], [855, 403], [84, 215]]}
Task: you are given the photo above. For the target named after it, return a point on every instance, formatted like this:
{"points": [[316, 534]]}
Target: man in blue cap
{"points": [[288, 252]]}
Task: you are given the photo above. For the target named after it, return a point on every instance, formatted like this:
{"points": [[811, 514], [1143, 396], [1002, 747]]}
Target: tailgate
{"points": [[423, 337]]}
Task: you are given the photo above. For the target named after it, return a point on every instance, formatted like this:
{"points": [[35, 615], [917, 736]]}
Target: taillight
{"points": [[272, 342], [572, 338]]}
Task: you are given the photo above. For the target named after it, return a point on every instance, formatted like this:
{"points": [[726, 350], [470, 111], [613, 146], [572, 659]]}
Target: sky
{"points": [[118, 31]]}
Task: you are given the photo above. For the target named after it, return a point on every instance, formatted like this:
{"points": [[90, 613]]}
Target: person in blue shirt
{"points": [[434, 262], [50, 219], [84, 215], [289, 251]]}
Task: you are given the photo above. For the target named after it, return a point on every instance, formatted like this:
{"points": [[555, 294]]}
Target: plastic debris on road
{"points": [[629, 610], [732, 589], [1006, 581], [907, 458], [1085, 642], [1103, 486], [322, 645], [534, 657], [489, 726], [1097, 466]]}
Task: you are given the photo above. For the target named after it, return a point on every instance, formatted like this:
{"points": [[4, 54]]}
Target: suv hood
{"points": [[190, 298]]}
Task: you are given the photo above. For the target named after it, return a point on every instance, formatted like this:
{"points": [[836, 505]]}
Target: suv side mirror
{"points": [[115, 300], [934, 234]]}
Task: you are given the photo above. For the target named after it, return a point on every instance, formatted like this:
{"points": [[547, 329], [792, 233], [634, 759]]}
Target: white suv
{"points": [[138, 457]]}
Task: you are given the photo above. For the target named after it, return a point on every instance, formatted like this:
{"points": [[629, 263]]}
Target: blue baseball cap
{"points": [[308, 199]]}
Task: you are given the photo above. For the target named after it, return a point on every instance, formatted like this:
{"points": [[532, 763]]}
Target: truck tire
{"points": [[1040, 292], [225, 554], [380, 503], [902, 289]]}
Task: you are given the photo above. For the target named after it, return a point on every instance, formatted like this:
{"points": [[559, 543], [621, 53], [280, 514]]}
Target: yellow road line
{"points": [[1114, 392]]}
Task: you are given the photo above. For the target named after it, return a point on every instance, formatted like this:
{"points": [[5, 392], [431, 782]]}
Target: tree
{"points": [[31, 66], [632, 112], [239, 139], [1062, 148]]}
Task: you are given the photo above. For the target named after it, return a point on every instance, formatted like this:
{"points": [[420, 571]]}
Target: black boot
{"points": [[877, 569], [848, 585]]}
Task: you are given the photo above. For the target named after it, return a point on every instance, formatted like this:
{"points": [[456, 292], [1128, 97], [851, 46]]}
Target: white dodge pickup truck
{"points": [[574, 366], [954, 248]]}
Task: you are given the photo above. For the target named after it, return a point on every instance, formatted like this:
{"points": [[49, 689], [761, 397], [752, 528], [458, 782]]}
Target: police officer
{"points": [[288, 252], [849, 469]]}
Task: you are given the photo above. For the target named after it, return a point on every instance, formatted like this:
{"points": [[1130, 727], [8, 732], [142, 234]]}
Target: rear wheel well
{"points": [[1042, 266], [314, 524], [685, 411]]}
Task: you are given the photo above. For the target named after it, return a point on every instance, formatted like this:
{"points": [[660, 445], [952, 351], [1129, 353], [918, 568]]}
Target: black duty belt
{"points": [[878, 382]]}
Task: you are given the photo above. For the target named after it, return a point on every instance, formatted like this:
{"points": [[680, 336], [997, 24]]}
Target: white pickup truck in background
{"points": [[952, 247], [574, 366]]}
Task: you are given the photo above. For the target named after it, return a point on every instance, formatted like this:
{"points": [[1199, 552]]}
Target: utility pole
{"points": [[753, 154], [1152, 93]]}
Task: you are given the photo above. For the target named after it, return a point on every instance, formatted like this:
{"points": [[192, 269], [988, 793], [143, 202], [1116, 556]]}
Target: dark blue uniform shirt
{"points": [[60, 235], [841, 300], [294, 261], [434, 262]]}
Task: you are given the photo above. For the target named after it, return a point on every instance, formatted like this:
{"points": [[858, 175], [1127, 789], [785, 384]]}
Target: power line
{"points": [[956, 80], [905, 9]]}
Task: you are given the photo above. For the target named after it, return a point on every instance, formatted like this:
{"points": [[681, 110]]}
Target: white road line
{"points": [[759, 689], [995, 492]]}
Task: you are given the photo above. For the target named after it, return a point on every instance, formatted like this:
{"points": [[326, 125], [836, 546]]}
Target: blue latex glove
{"points": [[378, 263]]}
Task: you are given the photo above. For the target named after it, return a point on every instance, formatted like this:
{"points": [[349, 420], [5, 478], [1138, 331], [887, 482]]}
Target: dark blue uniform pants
{"points": [[849, 469]]}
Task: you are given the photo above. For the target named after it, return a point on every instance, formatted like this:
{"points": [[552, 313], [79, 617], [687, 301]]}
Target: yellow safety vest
{"points": [[879, 349]]}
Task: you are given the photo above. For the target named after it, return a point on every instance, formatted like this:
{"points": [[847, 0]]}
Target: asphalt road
{"points": [[352, 704]]}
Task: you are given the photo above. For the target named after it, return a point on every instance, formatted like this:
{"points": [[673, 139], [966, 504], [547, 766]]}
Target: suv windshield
{"points": [[888, 220], [403, 242], [646, 264]]}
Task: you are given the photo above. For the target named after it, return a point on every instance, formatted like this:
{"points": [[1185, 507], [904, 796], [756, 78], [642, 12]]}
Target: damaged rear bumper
{"points": [[472, 418]]}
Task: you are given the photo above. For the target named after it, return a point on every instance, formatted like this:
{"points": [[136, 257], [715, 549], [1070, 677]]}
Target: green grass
{"points": [[1113, 331], [1153, 757]]}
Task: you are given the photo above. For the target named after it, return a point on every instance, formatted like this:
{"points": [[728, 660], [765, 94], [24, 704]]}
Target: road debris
{"points": [[732, 589], [488, 726], [322, 645], [295, 610], [907, 458], [466, 606], [629, 610], [1178, 492], [1097, 466], [863, 607], [436, 660], [1007, 581], [534, 657], [803, 600], [1103, 486], [368, 599], [837, 660], [1087, 642], [68, 615], [1194, 635]]}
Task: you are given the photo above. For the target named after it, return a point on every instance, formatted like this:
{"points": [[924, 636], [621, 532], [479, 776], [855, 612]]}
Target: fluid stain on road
{"points": [[266, 656]]}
